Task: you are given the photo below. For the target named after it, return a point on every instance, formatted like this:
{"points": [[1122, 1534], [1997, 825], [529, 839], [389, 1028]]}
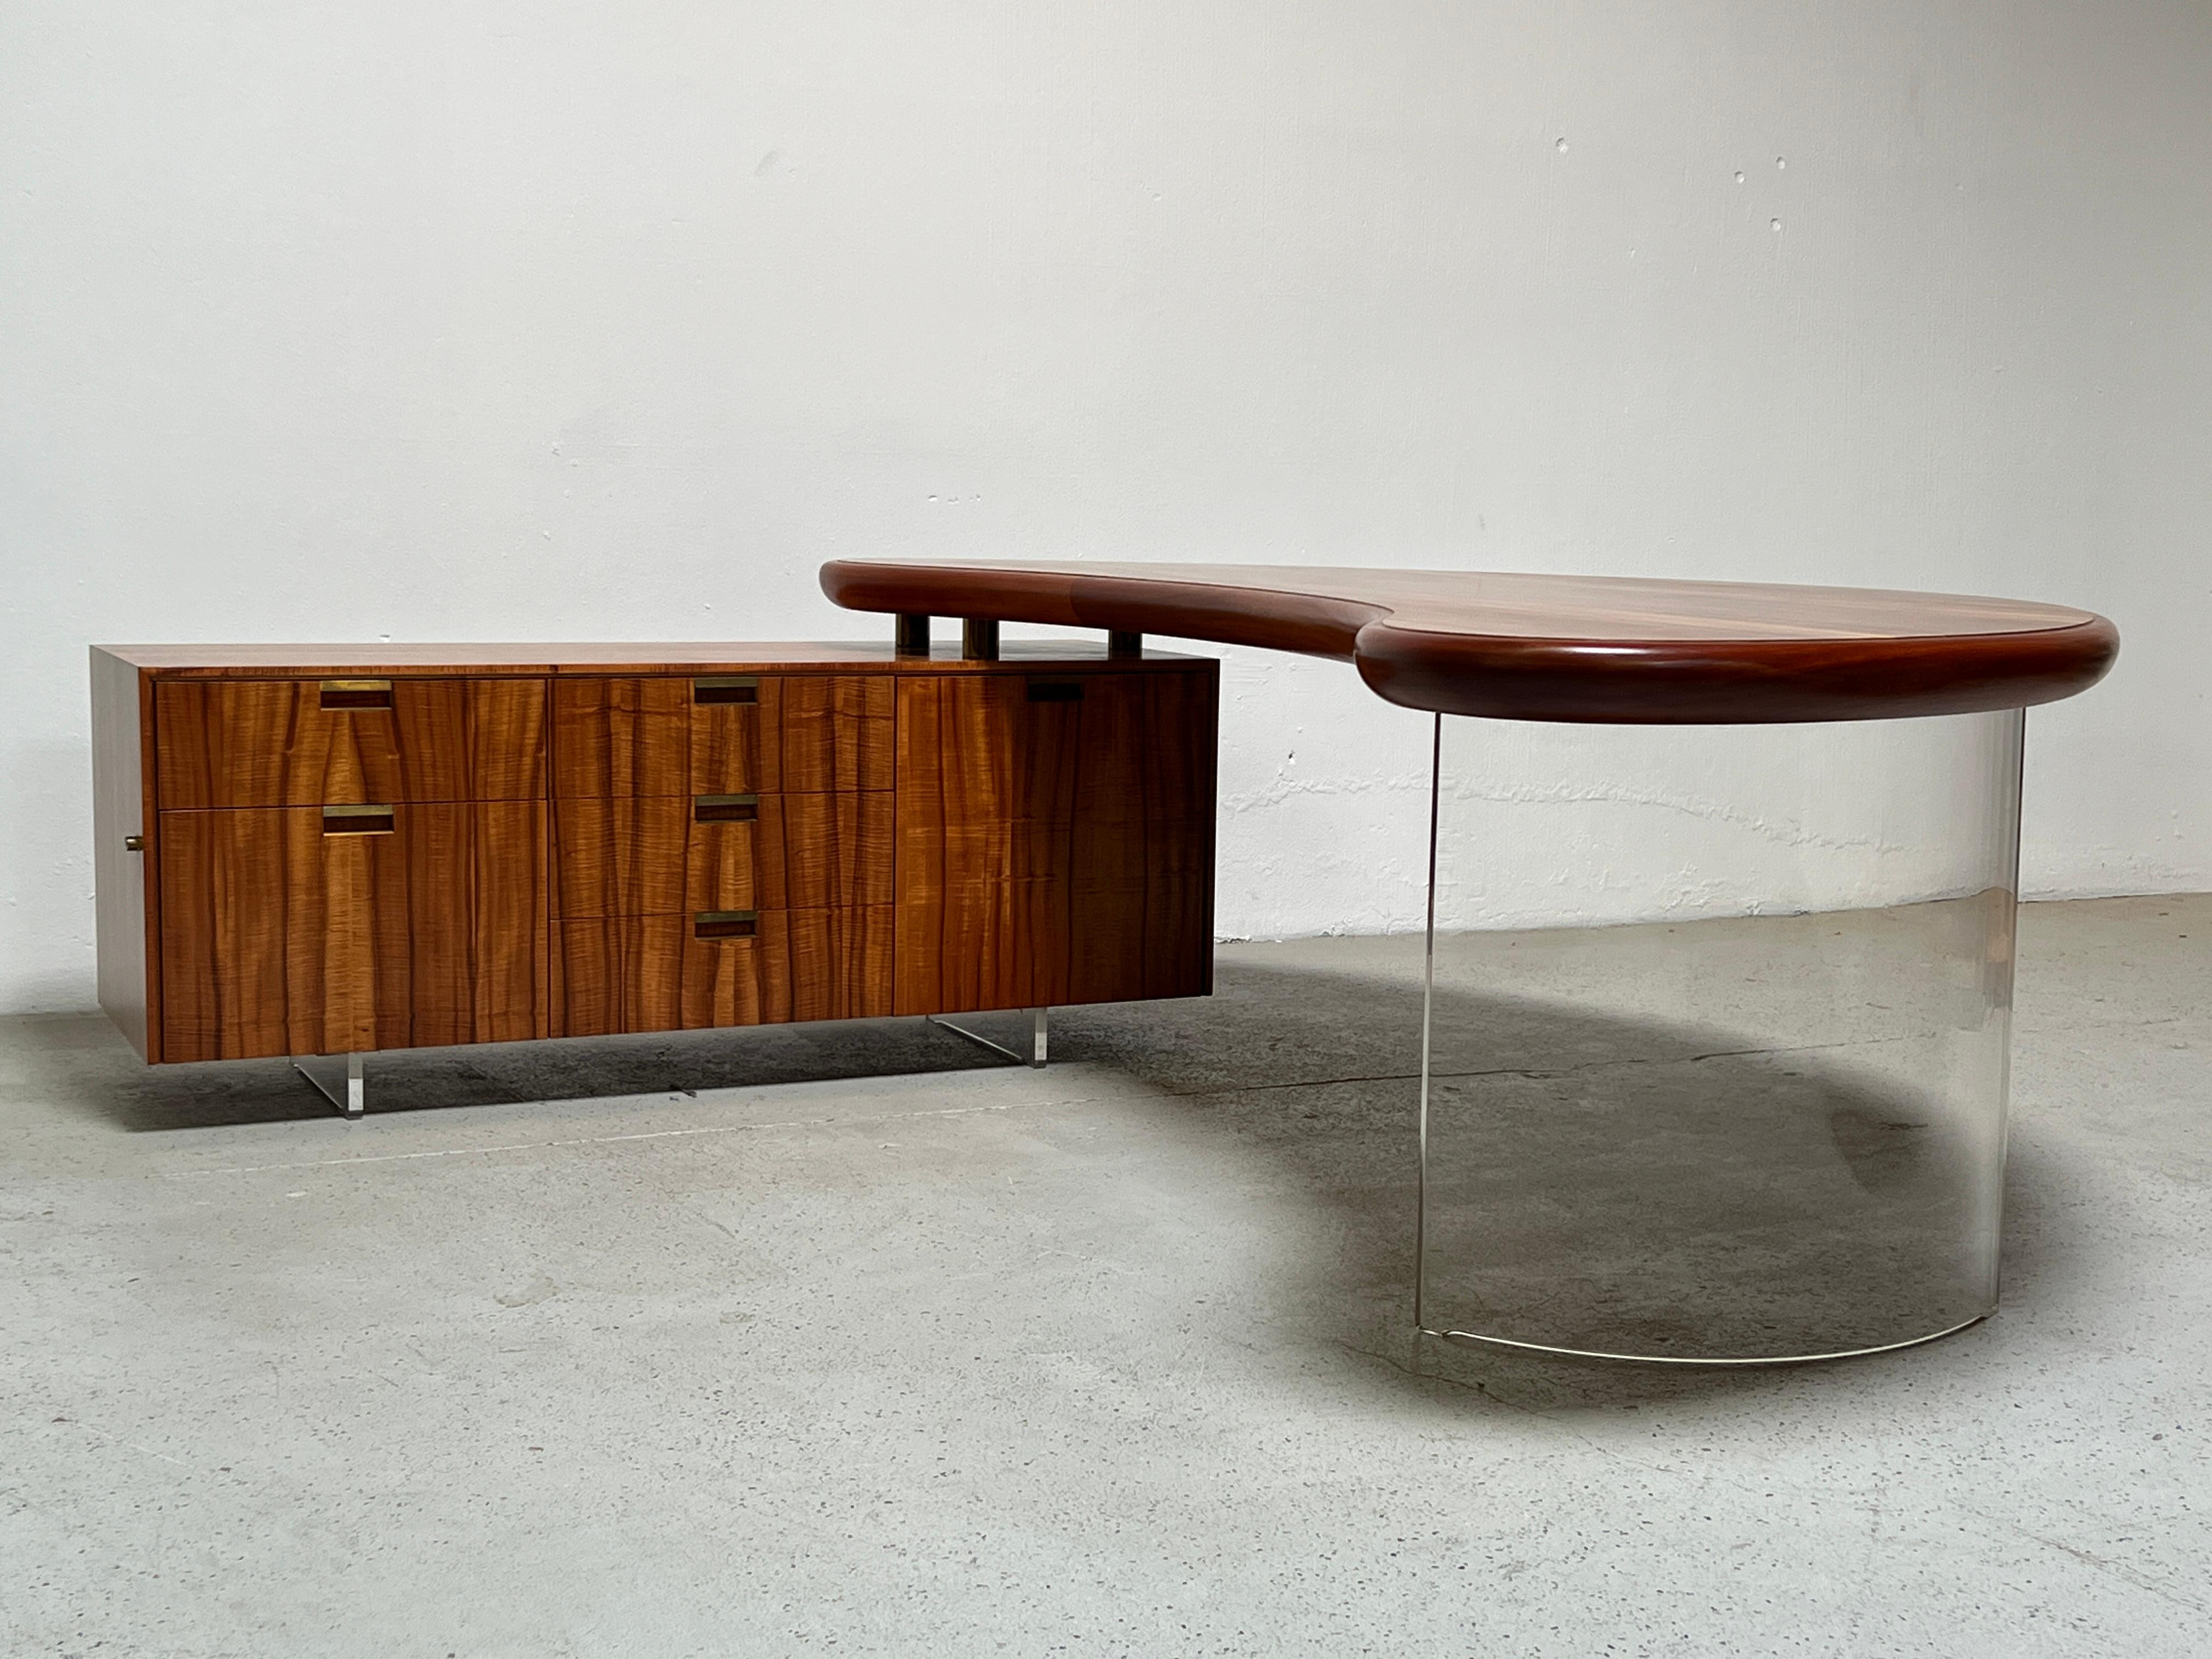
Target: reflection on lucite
{"points": [[1759, 1115]]}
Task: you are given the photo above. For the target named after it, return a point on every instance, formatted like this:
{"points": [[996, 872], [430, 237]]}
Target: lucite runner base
{"points": [[1714, 1137]]}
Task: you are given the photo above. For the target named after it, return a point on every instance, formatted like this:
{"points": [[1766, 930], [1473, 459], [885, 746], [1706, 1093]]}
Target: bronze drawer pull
{"points": [[724, 924], [726, 688], [358, 821], [357, 694], [725, 809], [1056, 691]]}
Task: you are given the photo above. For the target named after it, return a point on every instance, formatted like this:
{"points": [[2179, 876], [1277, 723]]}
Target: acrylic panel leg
{"points": [[1038, 1036], [337, 1079], [1750, 1105]]}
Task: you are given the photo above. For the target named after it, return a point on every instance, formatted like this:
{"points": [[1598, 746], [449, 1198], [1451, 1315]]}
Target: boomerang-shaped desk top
{"points": [[1516, 647]]}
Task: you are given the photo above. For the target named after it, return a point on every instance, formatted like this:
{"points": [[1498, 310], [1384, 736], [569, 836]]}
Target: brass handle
{"points": [[357, 694], [134, 843], [725, 809], [358, 821], [726, 688], [724, 924], [1056, 691]]}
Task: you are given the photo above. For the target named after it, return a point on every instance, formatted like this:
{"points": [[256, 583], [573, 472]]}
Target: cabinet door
{"points": [[313, 930], [1141, 899], [1055, 838]]}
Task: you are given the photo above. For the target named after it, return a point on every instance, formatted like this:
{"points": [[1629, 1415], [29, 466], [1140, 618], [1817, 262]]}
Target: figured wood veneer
{"points": [[1054, 851], [635, 736], [271, 742], [278, 938], [643, 854], [653, 973], [489, 843], [1542, 647]]}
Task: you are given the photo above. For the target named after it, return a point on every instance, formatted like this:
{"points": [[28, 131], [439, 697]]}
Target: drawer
{"points": [[297, 743], [648, 855], [722, 734], [683, 972], [313, 930], [818, 732]]}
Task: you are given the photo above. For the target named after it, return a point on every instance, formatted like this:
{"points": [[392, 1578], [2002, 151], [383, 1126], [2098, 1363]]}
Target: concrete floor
{"points": [[844, 1340]]}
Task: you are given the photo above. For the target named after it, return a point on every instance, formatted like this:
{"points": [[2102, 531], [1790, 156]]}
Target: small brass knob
{"points": [[134, 843]]}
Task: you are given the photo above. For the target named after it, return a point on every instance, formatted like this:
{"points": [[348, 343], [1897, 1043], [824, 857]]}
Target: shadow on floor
{"points": [[1701, 1184], [205, 1096]]}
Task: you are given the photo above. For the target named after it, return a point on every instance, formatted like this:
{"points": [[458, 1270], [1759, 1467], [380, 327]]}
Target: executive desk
{"points": [[1802, 1154], [327, 851]]}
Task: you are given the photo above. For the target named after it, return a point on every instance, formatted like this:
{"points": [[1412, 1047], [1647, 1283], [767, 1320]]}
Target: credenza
{"points": [[316, 850]]}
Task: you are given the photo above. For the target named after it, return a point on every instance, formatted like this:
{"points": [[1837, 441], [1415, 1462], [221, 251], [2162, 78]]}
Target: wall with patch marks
{"points": [[553, 320]]}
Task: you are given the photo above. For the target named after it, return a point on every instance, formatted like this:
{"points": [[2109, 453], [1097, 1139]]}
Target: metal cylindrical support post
{"points": [[912, 635], [979, 639], [1752, 1107]]}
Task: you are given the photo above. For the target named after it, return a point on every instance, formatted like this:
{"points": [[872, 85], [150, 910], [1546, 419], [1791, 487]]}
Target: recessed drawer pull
{"points": [[726, 688], [724, 924], [357, 821], [725, 809], [1056, 691], [357, 694]]}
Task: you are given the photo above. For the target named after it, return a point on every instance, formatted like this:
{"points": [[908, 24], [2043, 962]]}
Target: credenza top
{"points": [[387, 660], [1552, 648]]}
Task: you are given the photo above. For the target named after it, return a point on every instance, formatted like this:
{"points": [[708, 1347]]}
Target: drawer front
{"points": [[303, 930], [667, 735], [669, 973], [816, 732], [652, 855], [297, 743], [617, 737]]}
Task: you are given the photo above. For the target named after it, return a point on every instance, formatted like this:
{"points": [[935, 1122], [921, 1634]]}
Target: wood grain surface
{"points": [[1141, 843], [651, 973], [634, 736], [1544, 648], [270, 743], [537, 660], [618, 736], [544, 862], [279, 939], [644, 854], [1050, 851]]}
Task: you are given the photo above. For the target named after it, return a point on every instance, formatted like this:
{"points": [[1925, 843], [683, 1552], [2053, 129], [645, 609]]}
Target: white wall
{"points": [[350, 320]]}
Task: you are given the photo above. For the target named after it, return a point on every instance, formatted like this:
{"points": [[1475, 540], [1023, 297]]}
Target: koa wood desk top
{"points": [[1588, 648]]}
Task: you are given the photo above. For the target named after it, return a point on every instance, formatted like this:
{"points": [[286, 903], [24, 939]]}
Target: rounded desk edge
{"points": [[1613, 679]]}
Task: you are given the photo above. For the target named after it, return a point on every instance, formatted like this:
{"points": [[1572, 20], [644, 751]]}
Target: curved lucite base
{"points": [[1473, 1339], [1751, 1109]]}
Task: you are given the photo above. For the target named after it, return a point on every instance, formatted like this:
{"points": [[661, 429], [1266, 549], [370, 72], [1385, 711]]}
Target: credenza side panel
{"points": [[125, 891]]}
